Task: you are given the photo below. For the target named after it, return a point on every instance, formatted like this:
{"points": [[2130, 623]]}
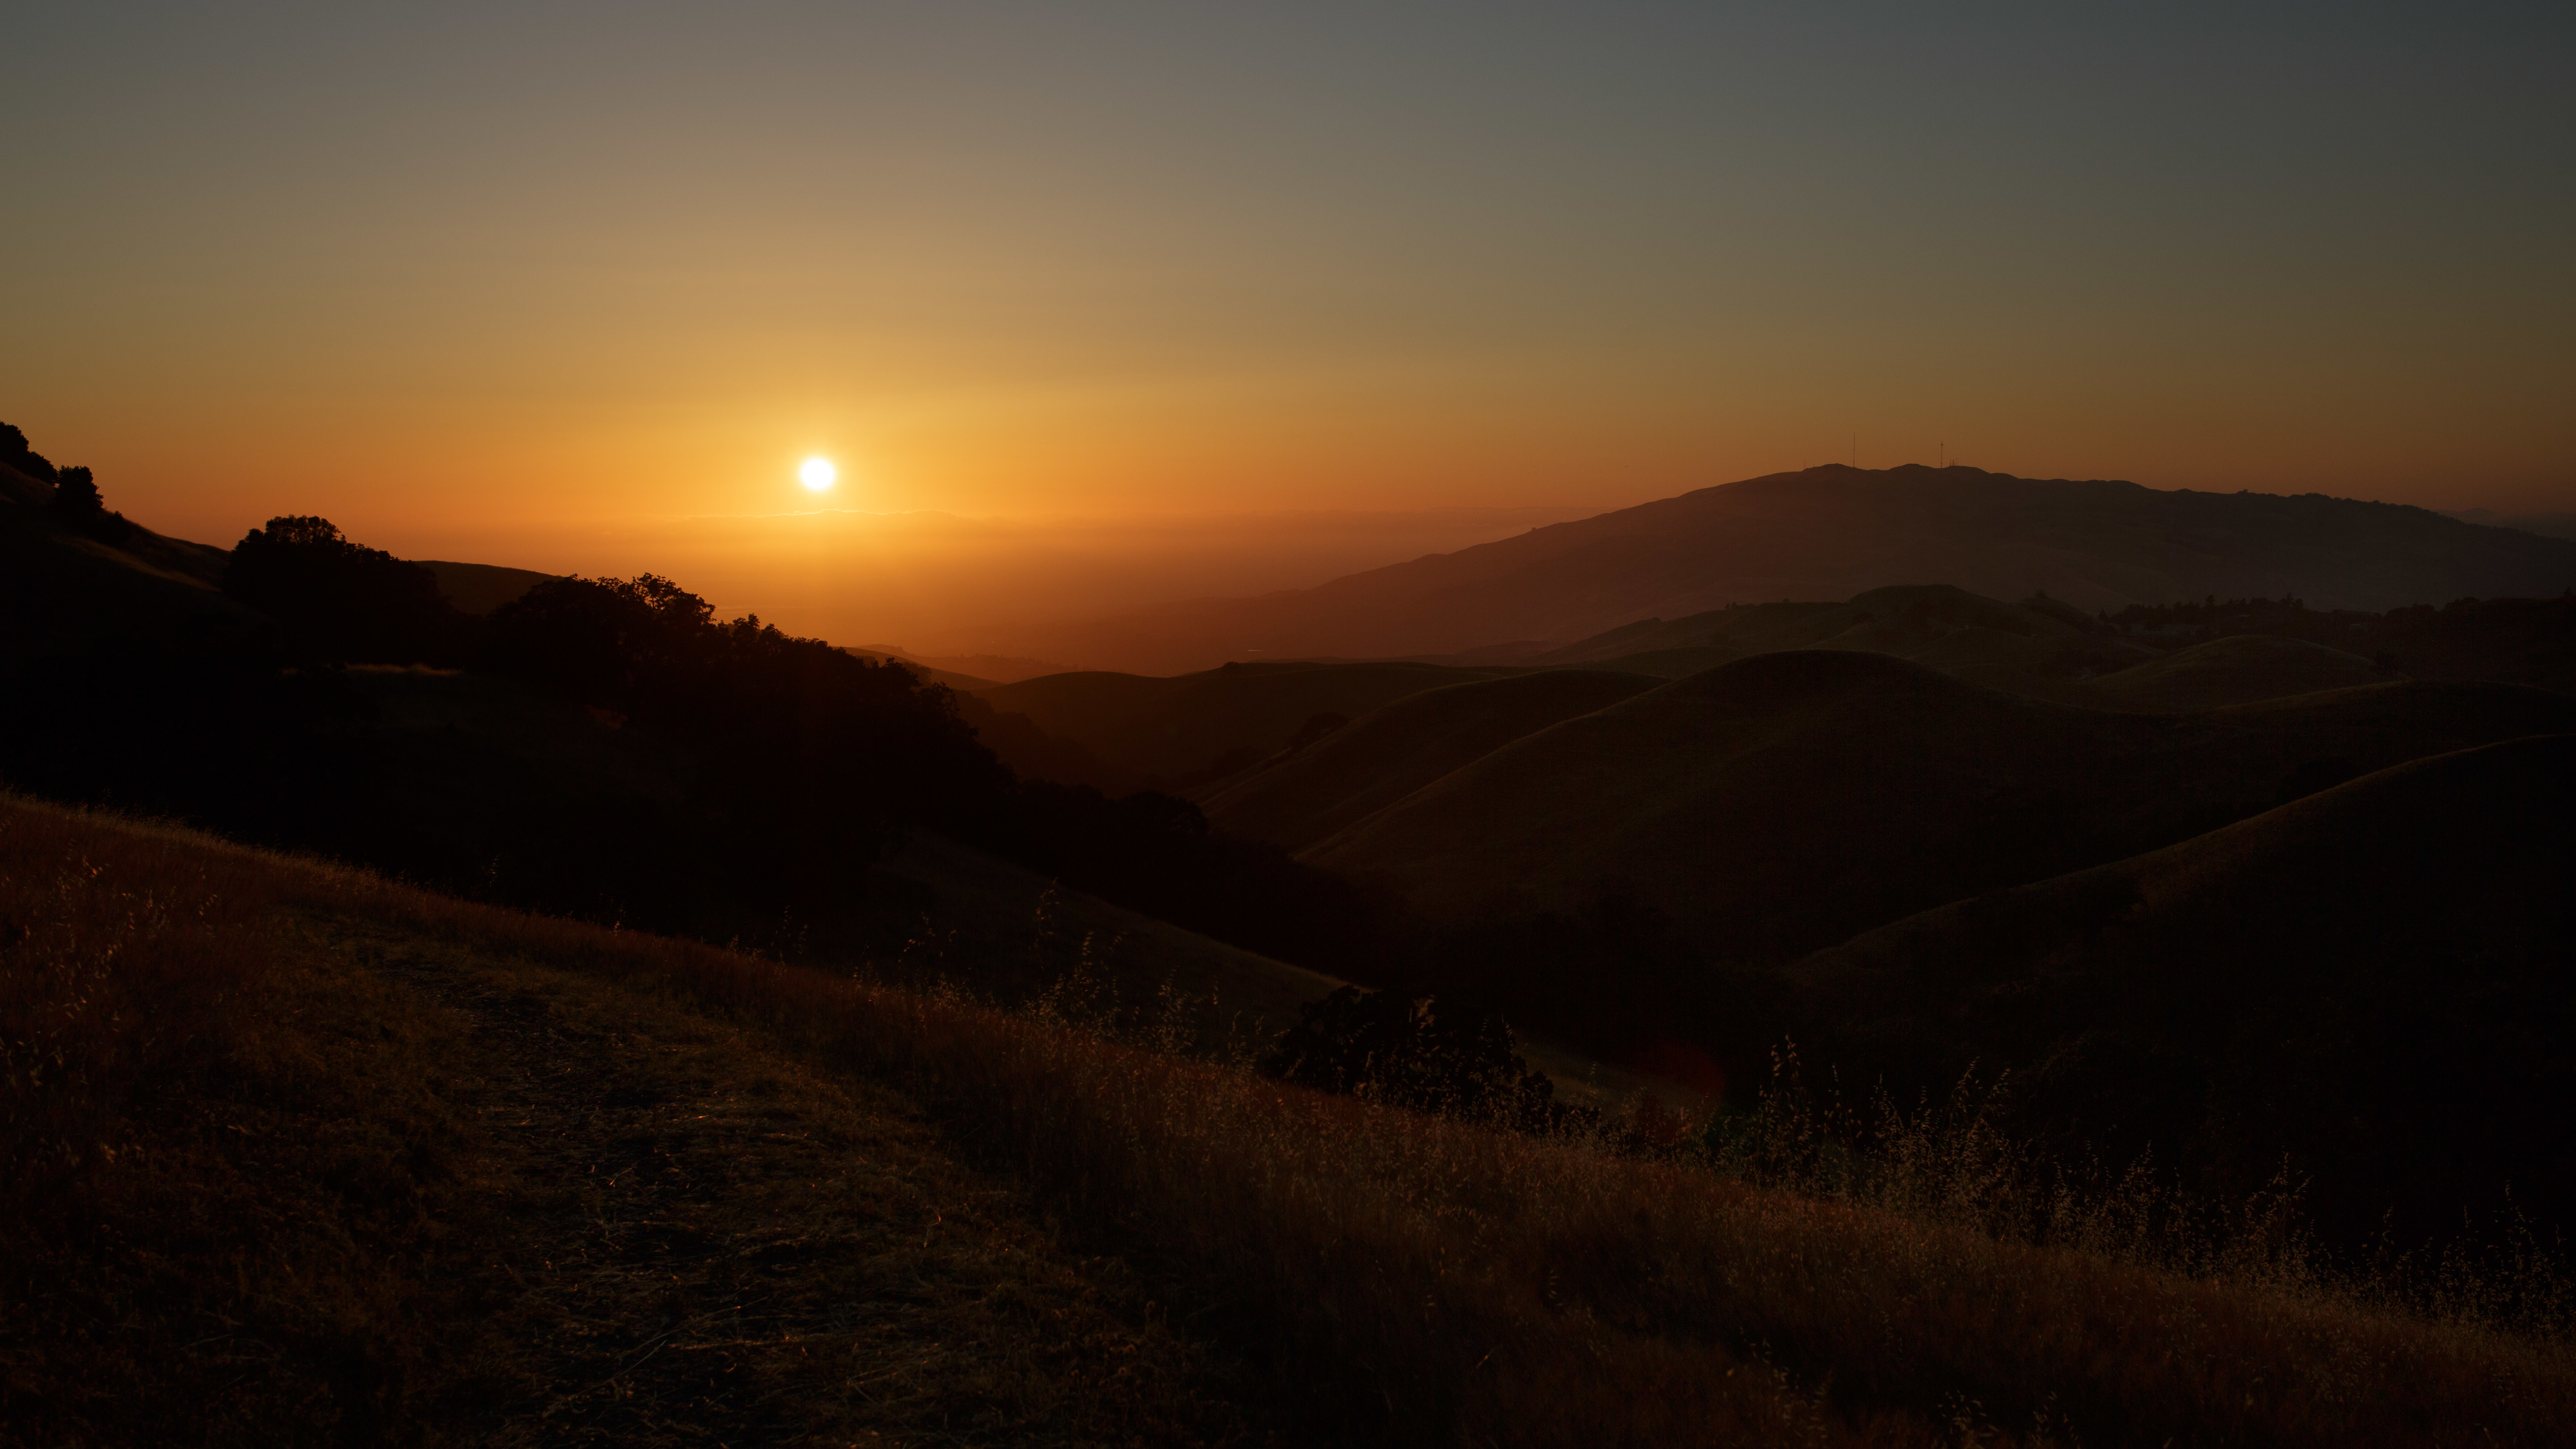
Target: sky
{"points": [[1098, 303]]}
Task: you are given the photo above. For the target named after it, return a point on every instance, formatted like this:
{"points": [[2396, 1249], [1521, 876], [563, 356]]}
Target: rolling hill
{"points": [[1167, 727], [1831, 532], [928, 672], [2239, 669], [480, 588], [1401, 747], [1134, 728], [62, 592], [337, 1160], [2027, 648], [1787, 802], [1119, 731], [2373, 978], [989, 668]]}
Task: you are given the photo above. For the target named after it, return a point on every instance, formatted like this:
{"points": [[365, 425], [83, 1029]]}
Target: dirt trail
{"points": [[711, 1244]]}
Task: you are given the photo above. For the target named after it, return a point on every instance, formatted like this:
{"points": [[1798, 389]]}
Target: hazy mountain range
{"points": [[1832, 532]]}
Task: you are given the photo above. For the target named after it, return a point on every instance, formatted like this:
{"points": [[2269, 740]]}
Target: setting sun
{"points": [[818, 473]]}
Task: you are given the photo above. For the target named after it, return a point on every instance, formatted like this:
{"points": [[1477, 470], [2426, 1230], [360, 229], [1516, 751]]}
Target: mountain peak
{"points": [[1834, 531]]}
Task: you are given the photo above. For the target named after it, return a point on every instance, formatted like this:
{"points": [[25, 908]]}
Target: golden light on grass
{"points": [[1467, 1284], [818, 474]]}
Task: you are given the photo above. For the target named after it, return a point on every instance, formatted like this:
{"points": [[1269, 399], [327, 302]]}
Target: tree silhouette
{"points": [[76, 506], [808, 759], [341, 602], [75, 497], [15, 453]]}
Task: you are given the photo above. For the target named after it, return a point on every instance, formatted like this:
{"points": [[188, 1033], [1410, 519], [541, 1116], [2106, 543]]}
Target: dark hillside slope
{"points": [[1396, 750], [1168, 727], [1789, 801], [62, 592], [1833, 532], [2040, 647], [2377, 978], [924, 672], [1084, 702], [1899, 619], [475, 588], [2504, 641], [2236, 670]]}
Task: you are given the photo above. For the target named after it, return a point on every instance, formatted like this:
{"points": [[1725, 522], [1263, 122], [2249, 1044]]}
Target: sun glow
{"points": [[818, 473]]}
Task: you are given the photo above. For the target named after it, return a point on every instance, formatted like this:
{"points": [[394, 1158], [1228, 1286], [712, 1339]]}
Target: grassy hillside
{"points": [[1167, 728], [2500, 640], [1831, 532], [990, 668], [481, 588], [2240, 669], [2041, 648], [380, 1166], [1668, 663], [1789, 801], [981, 924], [2372, 979], [1397, 749], [1901, 620], [463, 763], [122, 586], [62, 592], [290, 1156]]}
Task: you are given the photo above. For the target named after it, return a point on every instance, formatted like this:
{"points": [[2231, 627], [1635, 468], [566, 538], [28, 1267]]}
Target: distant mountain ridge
{"points": [[1835, 531]]}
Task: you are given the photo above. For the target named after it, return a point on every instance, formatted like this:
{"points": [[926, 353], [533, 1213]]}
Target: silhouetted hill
{"points": [[923, 671], [62, 591], [1401, 747], [1786, 802], [2505, 641], [1098, 727], [474, 588], [1169, 727], [1033, 754], [65, 590], [991, 668], [2236, 670], [1831, 532], [2026, 648], [1898, 619], [2548, 525], [2373, 978]]}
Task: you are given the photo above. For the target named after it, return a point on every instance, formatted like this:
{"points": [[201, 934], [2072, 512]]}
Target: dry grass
{"points": [[711, 1242], [275, 1175], [1428, 1281], [235, 1197], [1951, 1163]]}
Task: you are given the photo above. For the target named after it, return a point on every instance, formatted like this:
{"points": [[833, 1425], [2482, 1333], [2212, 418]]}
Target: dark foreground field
{"points": [[289, 1154]]}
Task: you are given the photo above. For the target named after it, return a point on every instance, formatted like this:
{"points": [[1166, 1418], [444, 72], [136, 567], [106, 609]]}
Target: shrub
{"points": [[1425, 1054]]}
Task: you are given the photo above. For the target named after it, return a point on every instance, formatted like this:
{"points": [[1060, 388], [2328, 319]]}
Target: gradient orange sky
{"points": [[1147, 300]]}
